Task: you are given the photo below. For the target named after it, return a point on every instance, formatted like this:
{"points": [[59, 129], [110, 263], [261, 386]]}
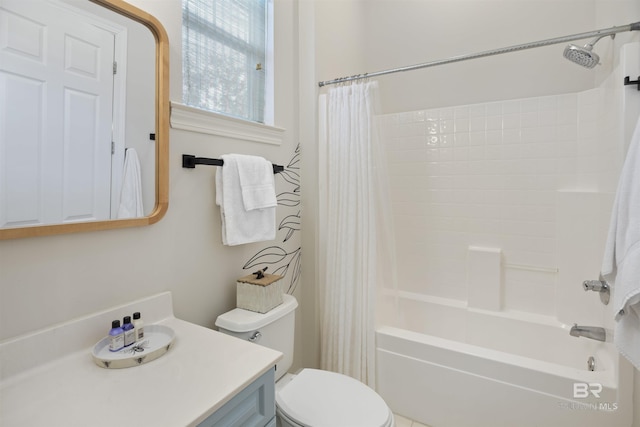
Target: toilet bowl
{"points": [[315, 398], [312, 397]]}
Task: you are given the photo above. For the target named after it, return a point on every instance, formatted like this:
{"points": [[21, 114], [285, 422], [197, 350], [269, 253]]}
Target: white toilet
{"points": [[311, 398]]}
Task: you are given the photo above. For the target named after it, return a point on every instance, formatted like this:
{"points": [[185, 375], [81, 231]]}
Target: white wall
{"points": [[47, 280], [404, 32]]}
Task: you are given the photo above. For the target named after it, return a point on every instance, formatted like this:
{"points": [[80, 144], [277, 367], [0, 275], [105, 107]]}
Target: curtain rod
{"points": [[598, 33]]}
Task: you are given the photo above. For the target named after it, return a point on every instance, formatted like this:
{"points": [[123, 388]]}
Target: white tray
{"points": [[157, 340]]}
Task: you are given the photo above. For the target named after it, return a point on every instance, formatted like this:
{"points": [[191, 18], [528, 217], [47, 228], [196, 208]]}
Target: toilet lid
{"points": [[327, 399]]}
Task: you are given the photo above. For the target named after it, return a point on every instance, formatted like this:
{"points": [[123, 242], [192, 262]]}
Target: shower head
{"points": [[585, 55], [582, 55]]}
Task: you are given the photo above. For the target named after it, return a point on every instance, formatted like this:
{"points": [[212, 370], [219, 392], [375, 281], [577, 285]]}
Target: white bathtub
{"points": [[462, 367]]}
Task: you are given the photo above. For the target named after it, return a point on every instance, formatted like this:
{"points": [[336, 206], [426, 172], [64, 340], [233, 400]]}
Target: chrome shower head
{"points": [[582, 55], [585, 55]]}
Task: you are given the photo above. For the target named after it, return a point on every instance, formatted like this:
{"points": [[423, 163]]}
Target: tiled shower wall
{"points": [[494, 175]]}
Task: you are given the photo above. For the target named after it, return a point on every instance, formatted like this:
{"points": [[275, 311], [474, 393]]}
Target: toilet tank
{"points": [[274, 329]]}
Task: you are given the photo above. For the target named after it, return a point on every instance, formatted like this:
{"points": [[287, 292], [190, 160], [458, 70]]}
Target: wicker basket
{"points": [[260, 295]]}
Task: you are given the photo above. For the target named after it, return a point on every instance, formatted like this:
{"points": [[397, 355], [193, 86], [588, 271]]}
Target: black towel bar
{"points": [[628, 82], [189, 161]]}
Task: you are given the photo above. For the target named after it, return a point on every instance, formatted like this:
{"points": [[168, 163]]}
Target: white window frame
{"points": [[198, 120], [195, 119]]}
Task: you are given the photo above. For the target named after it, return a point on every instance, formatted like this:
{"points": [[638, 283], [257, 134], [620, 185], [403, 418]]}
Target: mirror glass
{"points": [[83, 116]]}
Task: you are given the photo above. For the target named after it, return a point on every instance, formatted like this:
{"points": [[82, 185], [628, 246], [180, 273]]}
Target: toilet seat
{"points": [[316, 398]]}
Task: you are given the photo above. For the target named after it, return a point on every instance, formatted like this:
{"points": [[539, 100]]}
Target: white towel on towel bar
{"points": [[131, 193], [257, 182], [621, 263], [240, 225]]}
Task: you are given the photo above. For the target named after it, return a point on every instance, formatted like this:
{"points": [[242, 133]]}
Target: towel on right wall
{"points": [[621, 263]]}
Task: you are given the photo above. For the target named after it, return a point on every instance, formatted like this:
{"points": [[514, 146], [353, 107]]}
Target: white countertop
{"points": [[201, 372]]}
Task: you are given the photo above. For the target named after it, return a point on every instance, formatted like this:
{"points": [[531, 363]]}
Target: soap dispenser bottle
{"points": [[129, 332], [138, 324], [116, 336]]}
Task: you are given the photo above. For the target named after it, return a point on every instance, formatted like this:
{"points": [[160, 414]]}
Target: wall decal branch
{"points": [[288, 260]]}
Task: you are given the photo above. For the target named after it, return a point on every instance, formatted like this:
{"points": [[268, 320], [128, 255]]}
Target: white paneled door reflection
{"points": [[56, 97]]}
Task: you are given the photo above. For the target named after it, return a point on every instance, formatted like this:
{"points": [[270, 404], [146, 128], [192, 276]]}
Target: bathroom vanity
{"points": [[206, 378]]}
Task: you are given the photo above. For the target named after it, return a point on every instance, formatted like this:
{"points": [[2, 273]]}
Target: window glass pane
{"points": [[224, 48]]}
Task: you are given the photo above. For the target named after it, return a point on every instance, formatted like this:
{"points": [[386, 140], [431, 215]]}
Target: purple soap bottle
{"points": [[116, 336], [129, 331]]}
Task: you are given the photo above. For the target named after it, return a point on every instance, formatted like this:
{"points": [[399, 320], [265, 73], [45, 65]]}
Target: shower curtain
{"points": [[356, 236]]}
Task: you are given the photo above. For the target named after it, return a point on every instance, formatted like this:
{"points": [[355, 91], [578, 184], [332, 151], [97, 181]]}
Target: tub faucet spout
{"points": [[592, 332]]}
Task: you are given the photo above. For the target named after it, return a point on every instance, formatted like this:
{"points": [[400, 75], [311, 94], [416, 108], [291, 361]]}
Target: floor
{"points": [[406, 422]]}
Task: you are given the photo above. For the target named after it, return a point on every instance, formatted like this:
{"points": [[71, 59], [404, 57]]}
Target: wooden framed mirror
{"points": [[21, 156]]}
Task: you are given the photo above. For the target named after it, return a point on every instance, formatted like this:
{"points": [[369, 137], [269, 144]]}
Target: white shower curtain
{"points": [[355, 231]]}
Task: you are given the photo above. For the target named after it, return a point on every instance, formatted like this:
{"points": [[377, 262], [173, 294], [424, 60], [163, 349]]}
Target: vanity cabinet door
{"points": [[255, 406]]}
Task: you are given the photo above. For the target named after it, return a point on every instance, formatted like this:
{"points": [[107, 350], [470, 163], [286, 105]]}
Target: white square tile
{"points": [[461, 154], [511, 136], [477, 124], [461, 124], [446, 140], [446, 125], [511, 121], [433, 141], [494, 123], [511, 151], [567, 117], [529, 119], [476, 153], [461, 139], [477, 138], [531, 135], [568, 133], [494, 137], [530, 105], [493, 152], [494, 109], [548, 103], [432, 126], [567, 101], [446, 155], [548, 117], [432, 155]]}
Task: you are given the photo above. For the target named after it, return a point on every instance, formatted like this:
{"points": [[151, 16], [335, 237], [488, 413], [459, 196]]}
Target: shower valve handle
{"points": [[600, 286], [595, 285]]}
